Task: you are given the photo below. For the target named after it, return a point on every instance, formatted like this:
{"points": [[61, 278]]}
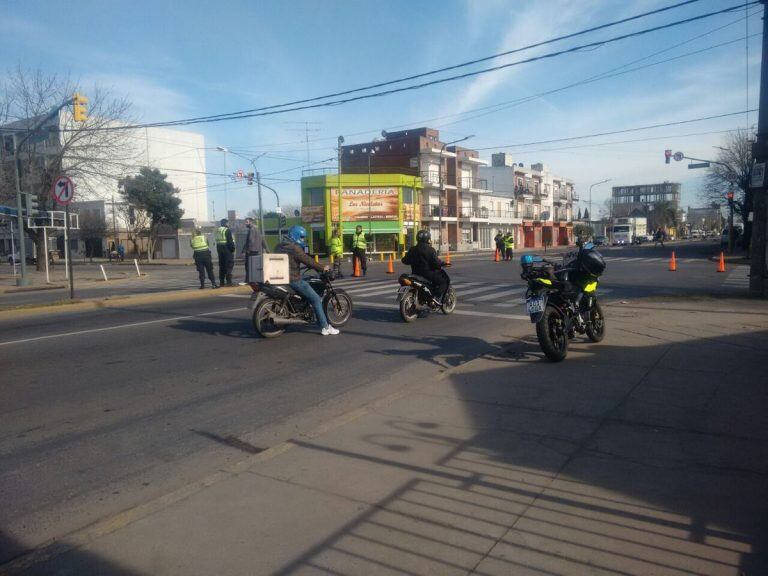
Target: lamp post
{"points": [[340, 141], [279, 212], [226, 203], [440, 197], [252, 161], [590, 194]]}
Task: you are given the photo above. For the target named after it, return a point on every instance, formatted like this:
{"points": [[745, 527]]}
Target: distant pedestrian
{"points": [[509, 246], [359, 246], [254, 246], [658, 238], [337, 253], [499, 240], [121, 252], [225, 247], [202, 257], [111, 251]]}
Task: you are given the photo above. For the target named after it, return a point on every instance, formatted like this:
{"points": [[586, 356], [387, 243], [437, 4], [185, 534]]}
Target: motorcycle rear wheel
{"points": [[338, 313], [262, 320], [449, 301], [409, 308], [596, 324], [552, 333]]}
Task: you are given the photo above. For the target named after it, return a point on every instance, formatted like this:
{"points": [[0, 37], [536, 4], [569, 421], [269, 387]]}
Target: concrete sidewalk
{"points": [[644, 454]]}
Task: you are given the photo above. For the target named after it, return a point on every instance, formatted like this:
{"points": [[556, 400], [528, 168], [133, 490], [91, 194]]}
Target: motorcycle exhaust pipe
{"points": [[287, 321]]}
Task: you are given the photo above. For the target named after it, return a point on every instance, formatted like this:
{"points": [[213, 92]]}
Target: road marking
{"points": [[501, 294], [119, 326], [480, 289], [458, 312]]}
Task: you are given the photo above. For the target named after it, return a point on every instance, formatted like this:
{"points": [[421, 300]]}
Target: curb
{"points": [[117, 301]]}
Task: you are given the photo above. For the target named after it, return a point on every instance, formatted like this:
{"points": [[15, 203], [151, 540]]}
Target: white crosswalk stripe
{"points": [[739, 278], [499, 294]]}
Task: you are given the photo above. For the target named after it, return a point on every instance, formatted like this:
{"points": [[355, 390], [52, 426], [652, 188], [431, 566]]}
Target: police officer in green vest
{"points": [[225, 246], [202, 257], [509, 245], [359, 246], [337, 252]]}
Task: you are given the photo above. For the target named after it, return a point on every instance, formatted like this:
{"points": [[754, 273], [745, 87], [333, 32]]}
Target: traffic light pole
{"points": [[757, 277]]}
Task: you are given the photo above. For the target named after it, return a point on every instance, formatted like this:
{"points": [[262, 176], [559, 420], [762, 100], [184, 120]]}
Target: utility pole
{"points": [[306, 131], [338, 191], [757, 277]]}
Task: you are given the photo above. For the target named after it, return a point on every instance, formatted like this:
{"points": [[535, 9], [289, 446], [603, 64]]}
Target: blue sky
{"points": [[183, 59]]}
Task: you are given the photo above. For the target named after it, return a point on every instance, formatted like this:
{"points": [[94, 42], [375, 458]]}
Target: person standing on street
{"points": [[120, 251], [337, 253], [509, 245], [359, 245], [225, 246], [254, 245], [499, 240], [202, 257]]}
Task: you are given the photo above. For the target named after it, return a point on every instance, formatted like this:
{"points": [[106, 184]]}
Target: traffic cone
{"points": [[673, 263], [391, 266], [447, 256], [496, 258], [721, 265], [356, 268]]}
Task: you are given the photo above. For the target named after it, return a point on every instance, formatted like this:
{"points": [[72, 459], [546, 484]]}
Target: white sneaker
{"points": [[329, 330]]}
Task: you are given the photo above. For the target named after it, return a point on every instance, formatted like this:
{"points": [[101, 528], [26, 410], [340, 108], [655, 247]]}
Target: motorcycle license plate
{"points": [[534, 305]]}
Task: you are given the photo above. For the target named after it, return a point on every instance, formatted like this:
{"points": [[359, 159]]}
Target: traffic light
{"points": [[667, 155], [33, 204], [283, 220], [250, 178], [80, 108]]}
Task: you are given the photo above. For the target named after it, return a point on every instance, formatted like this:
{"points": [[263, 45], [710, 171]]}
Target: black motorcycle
{"points": [[562, 299], [277, 306], [416, 294]]}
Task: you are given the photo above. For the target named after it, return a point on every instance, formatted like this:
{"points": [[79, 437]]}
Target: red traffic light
{"points": [[667, 155]]}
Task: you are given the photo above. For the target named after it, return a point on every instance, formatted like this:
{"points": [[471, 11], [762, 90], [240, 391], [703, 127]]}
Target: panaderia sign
{"points": [[363, 203]]}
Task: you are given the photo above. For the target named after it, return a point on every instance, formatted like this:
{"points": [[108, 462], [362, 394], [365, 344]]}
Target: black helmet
{"points": [[592, 262], [423, 236], [223, 222]]}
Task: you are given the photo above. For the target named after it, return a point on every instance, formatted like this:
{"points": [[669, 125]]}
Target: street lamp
{"points": [[440, 197], [226, 203], [279, 213], [590, 193]]}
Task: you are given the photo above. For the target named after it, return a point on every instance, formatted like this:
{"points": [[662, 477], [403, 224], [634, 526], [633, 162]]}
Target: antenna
{"points": [[306, 129]]}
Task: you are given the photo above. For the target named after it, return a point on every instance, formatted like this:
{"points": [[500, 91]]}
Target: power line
{"points": [[582, 47], [639, 128]]}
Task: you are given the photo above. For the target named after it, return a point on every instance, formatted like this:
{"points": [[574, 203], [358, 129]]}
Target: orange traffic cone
{"points": [[496, 258], [447, 256], [390, 266], [356, 267], [673, 263], [721, 265]]}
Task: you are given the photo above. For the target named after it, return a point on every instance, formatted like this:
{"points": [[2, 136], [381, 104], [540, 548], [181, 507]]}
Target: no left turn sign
{"points": [[63, 190]]}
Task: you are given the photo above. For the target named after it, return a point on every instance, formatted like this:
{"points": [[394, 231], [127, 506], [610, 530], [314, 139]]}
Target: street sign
{"points": [[758, 175], [63, 190], [698, 165], [678, 156]]}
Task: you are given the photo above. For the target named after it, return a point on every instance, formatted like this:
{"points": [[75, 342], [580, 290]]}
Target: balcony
{"points": [[523, 191], [474, 184], [434, 211]]}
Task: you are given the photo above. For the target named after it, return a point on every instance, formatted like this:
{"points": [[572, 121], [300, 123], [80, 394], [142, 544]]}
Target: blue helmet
{"points": [[526, 259], [298, 234]]}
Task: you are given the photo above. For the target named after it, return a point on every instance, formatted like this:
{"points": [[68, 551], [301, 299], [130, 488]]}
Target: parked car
{"points": [[736, 237], [16, 258], [600, 241]]}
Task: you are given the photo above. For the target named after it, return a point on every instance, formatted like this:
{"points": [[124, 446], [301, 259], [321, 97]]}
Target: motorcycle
{"points": [[277, 306], [562, 299], [415, 294]]}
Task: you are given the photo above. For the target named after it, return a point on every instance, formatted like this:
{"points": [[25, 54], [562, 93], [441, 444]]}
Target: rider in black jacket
{"points": [[423, 261]]}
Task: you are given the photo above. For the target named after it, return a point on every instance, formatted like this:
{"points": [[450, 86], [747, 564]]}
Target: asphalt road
{"points": [[104, 409]]}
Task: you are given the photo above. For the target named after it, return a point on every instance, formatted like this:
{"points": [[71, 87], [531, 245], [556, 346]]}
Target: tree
{"points": [[579, 215], [734, 175], [92, 230], [151, 193], [582, 231], [92, 156], [136, 221], [586, 214], [662, 215]]}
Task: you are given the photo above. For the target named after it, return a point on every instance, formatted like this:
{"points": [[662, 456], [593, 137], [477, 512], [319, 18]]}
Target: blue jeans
{"points": [[303, 288]]}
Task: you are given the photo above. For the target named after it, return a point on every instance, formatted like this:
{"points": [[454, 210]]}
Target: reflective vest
{"points": [[509, 241], [358, 241], [336, 248], [198, 243], [221, 235]]}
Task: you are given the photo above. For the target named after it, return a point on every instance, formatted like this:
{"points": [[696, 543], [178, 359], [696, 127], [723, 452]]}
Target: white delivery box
{"points": [[268, 268]]}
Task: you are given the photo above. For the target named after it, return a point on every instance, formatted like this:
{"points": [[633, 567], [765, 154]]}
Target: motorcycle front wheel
{"points": [[449, 301], [409, 308], [339, 309], [596, 324], [552, 333], [262, 319]]}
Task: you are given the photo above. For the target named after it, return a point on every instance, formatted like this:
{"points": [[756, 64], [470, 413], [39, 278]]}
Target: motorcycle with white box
{"points": [[275, 305]]}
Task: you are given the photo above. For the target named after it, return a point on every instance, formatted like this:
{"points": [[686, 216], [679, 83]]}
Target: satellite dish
{"points": [[383, 133]]}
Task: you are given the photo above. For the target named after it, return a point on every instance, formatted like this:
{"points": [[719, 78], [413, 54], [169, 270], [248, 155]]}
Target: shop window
{"points": [[407, 195], [316, 196]]}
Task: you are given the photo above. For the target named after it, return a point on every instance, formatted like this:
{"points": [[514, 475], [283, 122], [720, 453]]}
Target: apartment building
{"points": [[457, 205], [543, 201], [627, 199]]}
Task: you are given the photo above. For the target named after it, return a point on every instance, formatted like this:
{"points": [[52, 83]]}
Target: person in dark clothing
{"points": [[225, 247], [202, 257], [254, 245], [424, 262], [499, 240]]}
